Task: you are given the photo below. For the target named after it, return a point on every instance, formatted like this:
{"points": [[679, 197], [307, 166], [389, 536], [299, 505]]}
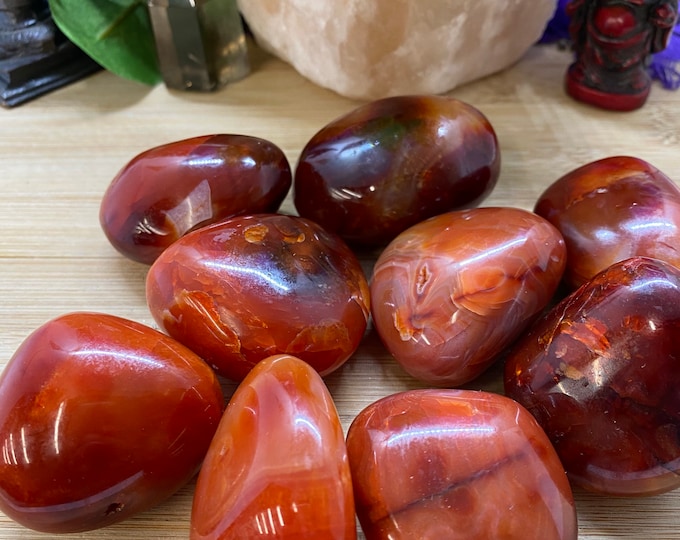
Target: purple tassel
{"points": [[664, 66]]}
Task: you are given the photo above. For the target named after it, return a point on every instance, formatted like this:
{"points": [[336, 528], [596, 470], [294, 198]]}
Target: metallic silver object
{"points": [[201, 44]]}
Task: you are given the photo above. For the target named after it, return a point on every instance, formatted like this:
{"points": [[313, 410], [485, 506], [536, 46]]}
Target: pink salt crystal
{"points": [[368, 49]]}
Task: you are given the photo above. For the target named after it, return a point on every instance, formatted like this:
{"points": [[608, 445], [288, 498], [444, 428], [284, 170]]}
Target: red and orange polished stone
{"points": [[449, 294], [610, 210], [278, 466], [393, 162], [100, 419], [601, 373], [167, 191], [252, 286], [459, 465]]}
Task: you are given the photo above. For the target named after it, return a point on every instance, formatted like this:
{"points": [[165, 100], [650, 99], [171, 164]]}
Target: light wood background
{"points": [[59, 153]]}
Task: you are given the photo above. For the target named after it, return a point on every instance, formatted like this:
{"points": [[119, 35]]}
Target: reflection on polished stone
{"points": [[456, 465], [610, 210], [600, 373], [248, 287], [169, 190], [448, 295], [277, 466]]}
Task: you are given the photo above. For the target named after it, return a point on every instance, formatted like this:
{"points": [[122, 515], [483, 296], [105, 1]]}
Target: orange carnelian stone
{"points": [[459, 465], [169, 190], [610, 210], [277, 467], [100, 419], [253, 286], [449, 294]]}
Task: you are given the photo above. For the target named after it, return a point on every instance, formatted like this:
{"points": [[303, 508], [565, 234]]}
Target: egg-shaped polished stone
{"points": [[601, 373], [169, 190], [391, 163], [449, 294], [277, 467], [243, 289], [610, 210], [101, 418], [459, 465]]}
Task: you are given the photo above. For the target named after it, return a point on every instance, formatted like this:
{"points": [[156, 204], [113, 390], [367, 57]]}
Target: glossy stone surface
{"points": [[459, 465], [601, 373], [610, 210], [100, 419], [391, 163], [449, 294], [167, 191], [278, 466], [253, 286]]}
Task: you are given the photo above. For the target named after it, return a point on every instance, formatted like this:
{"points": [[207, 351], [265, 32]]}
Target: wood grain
{"points": [[59, 153]]}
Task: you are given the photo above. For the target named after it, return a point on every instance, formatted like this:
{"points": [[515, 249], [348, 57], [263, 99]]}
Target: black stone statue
{"points": [[35, 57]]}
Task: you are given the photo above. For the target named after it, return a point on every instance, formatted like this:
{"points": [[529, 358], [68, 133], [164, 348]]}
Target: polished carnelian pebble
{"points": [[393, 162], [253, 286], [449, 294], [277, 467], [459, 465], [601, 373], [100, 419], [610, 210], [167, 191]]}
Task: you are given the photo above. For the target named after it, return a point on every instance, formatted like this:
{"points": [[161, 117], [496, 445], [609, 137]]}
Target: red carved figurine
{"points": [[613, 40]]}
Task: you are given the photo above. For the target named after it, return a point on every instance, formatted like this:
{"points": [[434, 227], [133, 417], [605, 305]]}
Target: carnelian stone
{"points": [[167, 191], [449, 294], [277, 467], [392, 163], [456, 464], [610, 210], [601, 373], [252, 286], [100, 419]]}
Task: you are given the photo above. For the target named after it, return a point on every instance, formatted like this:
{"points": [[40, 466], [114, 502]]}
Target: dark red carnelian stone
{"points": [[456, 464], [253, 286], [167, 191], [100, 419], [601, 373], [610, 210], [391, 163]]}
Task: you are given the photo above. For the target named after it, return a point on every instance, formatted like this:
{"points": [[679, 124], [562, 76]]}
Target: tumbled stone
{"points": [[277, 467], [456, 465], [249, 287], [449, 294], [610, 210], [369, 50], [393, 162], [600, 373]]}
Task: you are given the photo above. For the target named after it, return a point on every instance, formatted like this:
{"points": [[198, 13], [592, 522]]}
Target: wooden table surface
{"points": [[59, 153]]}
